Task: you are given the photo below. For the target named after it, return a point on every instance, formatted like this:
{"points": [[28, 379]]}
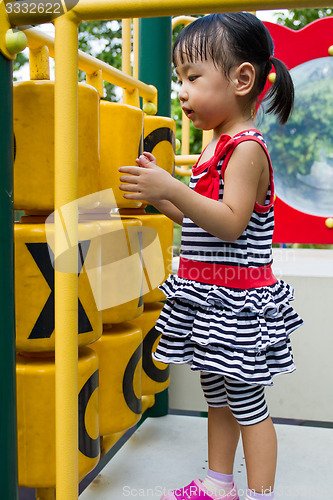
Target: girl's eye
{"points": [[192, 78]]}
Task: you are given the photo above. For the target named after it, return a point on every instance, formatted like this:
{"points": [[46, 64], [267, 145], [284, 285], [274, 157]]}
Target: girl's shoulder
{"points": [[227, 144], [250, 135], [250, 138]]}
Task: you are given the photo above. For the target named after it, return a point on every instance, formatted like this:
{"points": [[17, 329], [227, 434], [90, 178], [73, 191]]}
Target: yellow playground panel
{"points": [[122, 258], [106, 296]]}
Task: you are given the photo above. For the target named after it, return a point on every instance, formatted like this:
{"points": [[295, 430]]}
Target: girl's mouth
{"points": [[188, 112]]}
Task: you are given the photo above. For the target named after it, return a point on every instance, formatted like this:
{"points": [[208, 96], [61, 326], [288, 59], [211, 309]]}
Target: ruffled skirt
{"points": [[243, 334]]}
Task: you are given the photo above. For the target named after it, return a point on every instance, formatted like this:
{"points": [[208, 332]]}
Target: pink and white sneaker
{"points": [[197, 491]]}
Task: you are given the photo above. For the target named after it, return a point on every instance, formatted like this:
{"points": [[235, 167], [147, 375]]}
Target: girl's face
{"points": [[207, 97]]}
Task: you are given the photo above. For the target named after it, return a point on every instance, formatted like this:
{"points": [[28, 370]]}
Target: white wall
{"points": [[307, 393]]}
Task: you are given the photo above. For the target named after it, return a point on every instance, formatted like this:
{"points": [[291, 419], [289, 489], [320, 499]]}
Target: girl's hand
{"points": [[147, 182], [148, 156]]}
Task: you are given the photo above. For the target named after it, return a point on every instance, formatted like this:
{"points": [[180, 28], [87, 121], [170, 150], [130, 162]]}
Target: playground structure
{"points": [[70, 99]]}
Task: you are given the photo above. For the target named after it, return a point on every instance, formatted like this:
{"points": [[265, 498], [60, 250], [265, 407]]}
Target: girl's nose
{"points": [[182, 94]]}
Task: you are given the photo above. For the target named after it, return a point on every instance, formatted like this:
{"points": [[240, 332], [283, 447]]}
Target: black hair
{"points": [[234, 38]]}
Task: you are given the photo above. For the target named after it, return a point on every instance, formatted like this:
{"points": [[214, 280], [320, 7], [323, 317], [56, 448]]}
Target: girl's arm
{"points": [[167, 208], [247, 176]]}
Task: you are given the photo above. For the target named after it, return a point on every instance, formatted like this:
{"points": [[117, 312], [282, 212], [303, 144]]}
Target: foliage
{"points": [[298, 18], [19, 61], [103, 40], [305, 138]]}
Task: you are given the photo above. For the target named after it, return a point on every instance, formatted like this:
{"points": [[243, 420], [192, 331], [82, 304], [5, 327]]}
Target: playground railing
{"points": [[98, 70], [94, 10]]}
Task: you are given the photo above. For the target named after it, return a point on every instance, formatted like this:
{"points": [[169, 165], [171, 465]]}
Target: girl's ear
{"points": [[244, 78]]}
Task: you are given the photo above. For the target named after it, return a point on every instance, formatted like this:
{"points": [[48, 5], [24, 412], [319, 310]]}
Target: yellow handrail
{"points": [[91, 65], [94, 10], [184, 162], [186, 159], [176, 21]]}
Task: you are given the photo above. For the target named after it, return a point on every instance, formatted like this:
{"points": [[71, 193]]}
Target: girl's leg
{"points": [[223, 429], [248, 405], [260, 450], [223, 437]]}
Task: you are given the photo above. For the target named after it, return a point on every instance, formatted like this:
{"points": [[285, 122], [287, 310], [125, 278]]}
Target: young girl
{"points": [[226, 314]]}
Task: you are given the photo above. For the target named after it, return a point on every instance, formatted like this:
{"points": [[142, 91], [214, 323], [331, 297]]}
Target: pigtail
{"points": [[281, 94]]}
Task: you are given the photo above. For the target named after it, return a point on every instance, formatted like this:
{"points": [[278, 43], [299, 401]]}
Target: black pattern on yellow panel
{"points": [[133, 402], [140, 303], [88, 446], [44, 258], [148, 364], [156, 136]]}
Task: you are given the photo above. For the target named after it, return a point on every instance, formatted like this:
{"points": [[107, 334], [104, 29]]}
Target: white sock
{"points": [[253, 495], [217, 483]]}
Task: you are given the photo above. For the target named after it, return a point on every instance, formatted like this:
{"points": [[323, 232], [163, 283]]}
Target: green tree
{"points": [[20, 60], [306, 137], [298, 18], [103, 40]]}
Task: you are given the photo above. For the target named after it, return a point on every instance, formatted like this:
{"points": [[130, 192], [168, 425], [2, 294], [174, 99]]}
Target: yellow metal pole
{"points": [[118, 9], [132, 98], [126, 46], [136, 48], [66, 288], [129, 96], [186, 160], [207, 136], [185, 134], [96, 80], [39, 63], [94, 10]]}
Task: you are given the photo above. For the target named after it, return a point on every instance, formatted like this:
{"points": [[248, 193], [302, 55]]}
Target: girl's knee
{"points": [[214, 389], [247, 403]]}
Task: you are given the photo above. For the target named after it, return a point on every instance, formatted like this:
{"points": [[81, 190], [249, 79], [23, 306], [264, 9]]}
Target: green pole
{"points": [[155, 42], [8, 433]]}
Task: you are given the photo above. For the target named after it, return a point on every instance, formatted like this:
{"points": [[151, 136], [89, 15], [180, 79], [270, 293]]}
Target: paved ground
{"points": [[168, 452]]}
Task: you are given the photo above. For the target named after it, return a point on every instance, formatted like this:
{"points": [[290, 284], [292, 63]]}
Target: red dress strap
{"points": [[209, 183]]}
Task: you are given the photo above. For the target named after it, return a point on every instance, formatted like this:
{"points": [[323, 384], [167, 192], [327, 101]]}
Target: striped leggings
{"points": [[246, 402]]}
